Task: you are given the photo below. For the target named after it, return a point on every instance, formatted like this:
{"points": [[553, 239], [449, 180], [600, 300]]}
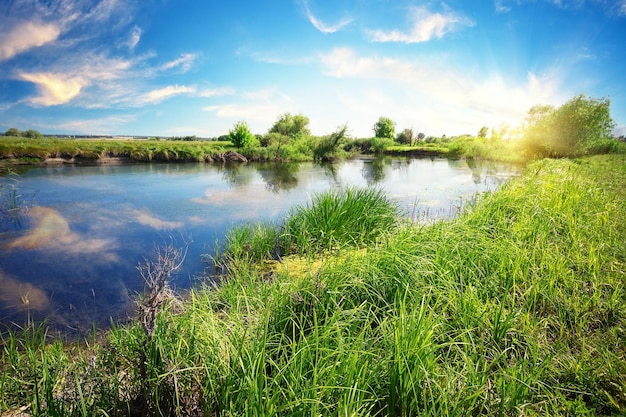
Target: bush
{"points": [[379, 145], [241, 136]]}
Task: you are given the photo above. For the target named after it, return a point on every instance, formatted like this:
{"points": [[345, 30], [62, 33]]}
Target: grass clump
{"points": [[335, 220]]}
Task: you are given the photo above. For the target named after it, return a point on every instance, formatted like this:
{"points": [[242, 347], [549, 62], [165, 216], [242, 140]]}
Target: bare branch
{"points": [[157, 275]]}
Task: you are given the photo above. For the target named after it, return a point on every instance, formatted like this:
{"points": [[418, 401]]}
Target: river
{"points": [[69, 251]]}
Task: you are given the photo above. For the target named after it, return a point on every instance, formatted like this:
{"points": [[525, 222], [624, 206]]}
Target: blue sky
{"points": [[195, 67]]}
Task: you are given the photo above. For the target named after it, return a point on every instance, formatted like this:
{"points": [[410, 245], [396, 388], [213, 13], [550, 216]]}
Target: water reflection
{"points": [[74, 259], [279, 176], [373, 170], [147, 219], [51, 231], [19, 296]]}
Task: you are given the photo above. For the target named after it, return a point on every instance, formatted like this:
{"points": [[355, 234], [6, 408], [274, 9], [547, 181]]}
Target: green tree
{"points": [[406, 137], [568, 130], [482, 133], [13, 132], [33, 134], [384, 128], [241, 136], [328, 146], [292, 126]]}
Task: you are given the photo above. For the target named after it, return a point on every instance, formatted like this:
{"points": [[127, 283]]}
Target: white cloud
{"points": [[53, 88], [321, 26], [433, 93], [622, 8], [26, 36], [425, 26]]}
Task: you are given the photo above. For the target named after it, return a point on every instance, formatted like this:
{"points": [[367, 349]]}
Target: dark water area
{"points": [[71, 237]]}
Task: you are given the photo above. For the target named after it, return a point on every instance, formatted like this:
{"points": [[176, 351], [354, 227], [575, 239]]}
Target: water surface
{"points": [[71, 255]]}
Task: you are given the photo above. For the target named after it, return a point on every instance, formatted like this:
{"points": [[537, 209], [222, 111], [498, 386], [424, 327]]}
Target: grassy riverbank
{"points": [[515, 307], [33, 151]]}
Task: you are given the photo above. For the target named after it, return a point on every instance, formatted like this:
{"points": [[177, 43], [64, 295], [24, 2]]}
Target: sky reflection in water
{"points": [[73, 258]]}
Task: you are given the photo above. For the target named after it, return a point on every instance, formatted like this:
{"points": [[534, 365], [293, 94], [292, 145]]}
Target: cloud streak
{"points": [[425, 27], [321, 26], [160, 94], [184, 62]]}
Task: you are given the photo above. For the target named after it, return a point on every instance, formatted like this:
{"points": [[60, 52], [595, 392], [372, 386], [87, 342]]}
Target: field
{"points": [[516, 307]]}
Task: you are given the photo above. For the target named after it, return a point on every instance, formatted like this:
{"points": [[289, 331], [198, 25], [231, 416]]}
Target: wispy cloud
{"points": [[100, 126], [160, 94], [321, 26], [216, 92], [259, 108], [185, 61], [616, 7], [501, 8], [21, 38], [425, 26], [134, 37]]}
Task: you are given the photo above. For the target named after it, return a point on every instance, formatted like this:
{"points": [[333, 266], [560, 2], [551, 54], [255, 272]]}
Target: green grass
{"points": [[136, 150], [302, 149], [516, 307], [338, 219]]}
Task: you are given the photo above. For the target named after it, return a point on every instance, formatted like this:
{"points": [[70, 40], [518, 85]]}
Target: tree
{"points": [[482, 133], [13, 132], [568, 130], [384, 128], [240, 135], [33, 134], [405, 137], [292, 126], [421, 136], [328, 146]]}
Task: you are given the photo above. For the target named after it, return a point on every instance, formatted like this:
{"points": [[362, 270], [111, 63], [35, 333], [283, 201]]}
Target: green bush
{"points": [[241, 136]]}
